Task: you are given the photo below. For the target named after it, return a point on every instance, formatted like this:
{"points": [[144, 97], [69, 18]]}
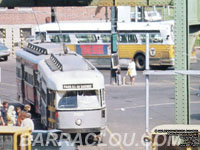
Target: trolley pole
{"points": [[147, 88]]}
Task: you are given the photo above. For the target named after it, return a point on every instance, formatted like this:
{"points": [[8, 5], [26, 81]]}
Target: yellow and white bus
{"points": [[92, 40]]}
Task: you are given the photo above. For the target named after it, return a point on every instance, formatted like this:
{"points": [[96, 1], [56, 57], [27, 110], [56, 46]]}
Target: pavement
{"points": [[125, 105]]}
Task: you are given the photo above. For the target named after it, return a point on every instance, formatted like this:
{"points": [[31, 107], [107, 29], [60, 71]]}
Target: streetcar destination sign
{"points": [[77, 86]]}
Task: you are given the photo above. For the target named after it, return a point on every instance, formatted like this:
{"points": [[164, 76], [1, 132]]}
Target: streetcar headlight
{"points": [[78, 122]]}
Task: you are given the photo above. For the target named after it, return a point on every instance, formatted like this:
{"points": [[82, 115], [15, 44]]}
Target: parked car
{"points": [[4, 52]]}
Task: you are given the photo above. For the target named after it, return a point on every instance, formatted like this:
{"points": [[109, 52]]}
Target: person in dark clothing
{"points": [[4, 111]]}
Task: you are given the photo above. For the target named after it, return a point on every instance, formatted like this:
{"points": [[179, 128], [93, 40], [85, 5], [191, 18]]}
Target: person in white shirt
{"points": [[132, 71], [28, 122]]}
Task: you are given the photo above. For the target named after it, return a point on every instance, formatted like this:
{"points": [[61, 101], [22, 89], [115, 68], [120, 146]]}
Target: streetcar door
{"points": [[43, 103], [51, 111], [22, 83]]}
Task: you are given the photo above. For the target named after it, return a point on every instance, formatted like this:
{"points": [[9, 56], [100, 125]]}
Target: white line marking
{"points": [[152, 105], [7, 84]]}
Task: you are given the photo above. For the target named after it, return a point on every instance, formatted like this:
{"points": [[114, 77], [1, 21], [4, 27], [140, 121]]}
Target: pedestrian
{"points": [[4, 111], [27, 108], [11, 116], [1, 118], [28, 122], [20, 116], [132, 71], [118, 74]]}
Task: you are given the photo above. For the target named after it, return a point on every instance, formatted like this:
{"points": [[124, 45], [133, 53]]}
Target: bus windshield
{"points": [[80, 99]]}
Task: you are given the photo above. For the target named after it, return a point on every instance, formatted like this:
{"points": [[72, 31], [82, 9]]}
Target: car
{"points": [[4, 52]]}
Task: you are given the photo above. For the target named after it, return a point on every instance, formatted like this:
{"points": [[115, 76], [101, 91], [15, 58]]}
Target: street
{"points": [[125, 105]]}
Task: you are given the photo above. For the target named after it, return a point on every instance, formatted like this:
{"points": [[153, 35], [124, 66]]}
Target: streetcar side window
{"points": [[28, 78], [19, 72], [86, 38]]}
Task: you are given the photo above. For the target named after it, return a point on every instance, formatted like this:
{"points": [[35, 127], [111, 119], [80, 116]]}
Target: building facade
{"points": [[18, 23]]}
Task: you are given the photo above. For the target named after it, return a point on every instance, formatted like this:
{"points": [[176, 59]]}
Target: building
{"points": [[18, 23]]}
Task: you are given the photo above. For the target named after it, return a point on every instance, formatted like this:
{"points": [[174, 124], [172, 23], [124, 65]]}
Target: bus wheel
{"points": [[140, 62]]}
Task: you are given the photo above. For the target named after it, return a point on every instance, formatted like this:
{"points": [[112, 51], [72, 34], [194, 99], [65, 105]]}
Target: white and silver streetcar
{"points": [[64, 88]]}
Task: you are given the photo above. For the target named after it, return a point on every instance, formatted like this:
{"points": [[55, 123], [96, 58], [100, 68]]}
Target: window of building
{"points": [[2, 33], [26, 32], [86, 38]]}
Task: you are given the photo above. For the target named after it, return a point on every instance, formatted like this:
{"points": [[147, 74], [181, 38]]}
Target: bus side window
{"points": [[122, 38], [106, 38], [143, 38], [132, 38], [86, 38], [156, 38]]}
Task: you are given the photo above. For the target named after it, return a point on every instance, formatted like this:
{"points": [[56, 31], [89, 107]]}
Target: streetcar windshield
{"points": [[80, 99]]}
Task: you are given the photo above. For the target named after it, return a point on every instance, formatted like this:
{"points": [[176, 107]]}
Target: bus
{"points": [[92, 40], [63, 87]]}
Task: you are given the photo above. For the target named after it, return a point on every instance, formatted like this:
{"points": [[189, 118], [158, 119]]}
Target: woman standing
{"points": [[132, 71]]}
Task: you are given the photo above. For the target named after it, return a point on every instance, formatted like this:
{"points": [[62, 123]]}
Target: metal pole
{"points": [[113, 41], [136, 14], [147, 88]]}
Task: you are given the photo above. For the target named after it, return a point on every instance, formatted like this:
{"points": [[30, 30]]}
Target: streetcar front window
{"points": [[69, 100], [80, 99]]}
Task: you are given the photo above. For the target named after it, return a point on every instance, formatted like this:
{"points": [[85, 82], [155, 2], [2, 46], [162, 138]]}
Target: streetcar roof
{"points": [[71, 74], [175, 127], [94, 26], [29, 56], [44, 48], [68, 62]]}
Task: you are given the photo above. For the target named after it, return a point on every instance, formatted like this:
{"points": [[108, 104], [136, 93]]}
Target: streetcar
{"points": [[63, 87], [92, 40]]}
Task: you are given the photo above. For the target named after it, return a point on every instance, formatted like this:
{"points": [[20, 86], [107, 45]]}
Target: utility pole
{"points": [[114, 53]]}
